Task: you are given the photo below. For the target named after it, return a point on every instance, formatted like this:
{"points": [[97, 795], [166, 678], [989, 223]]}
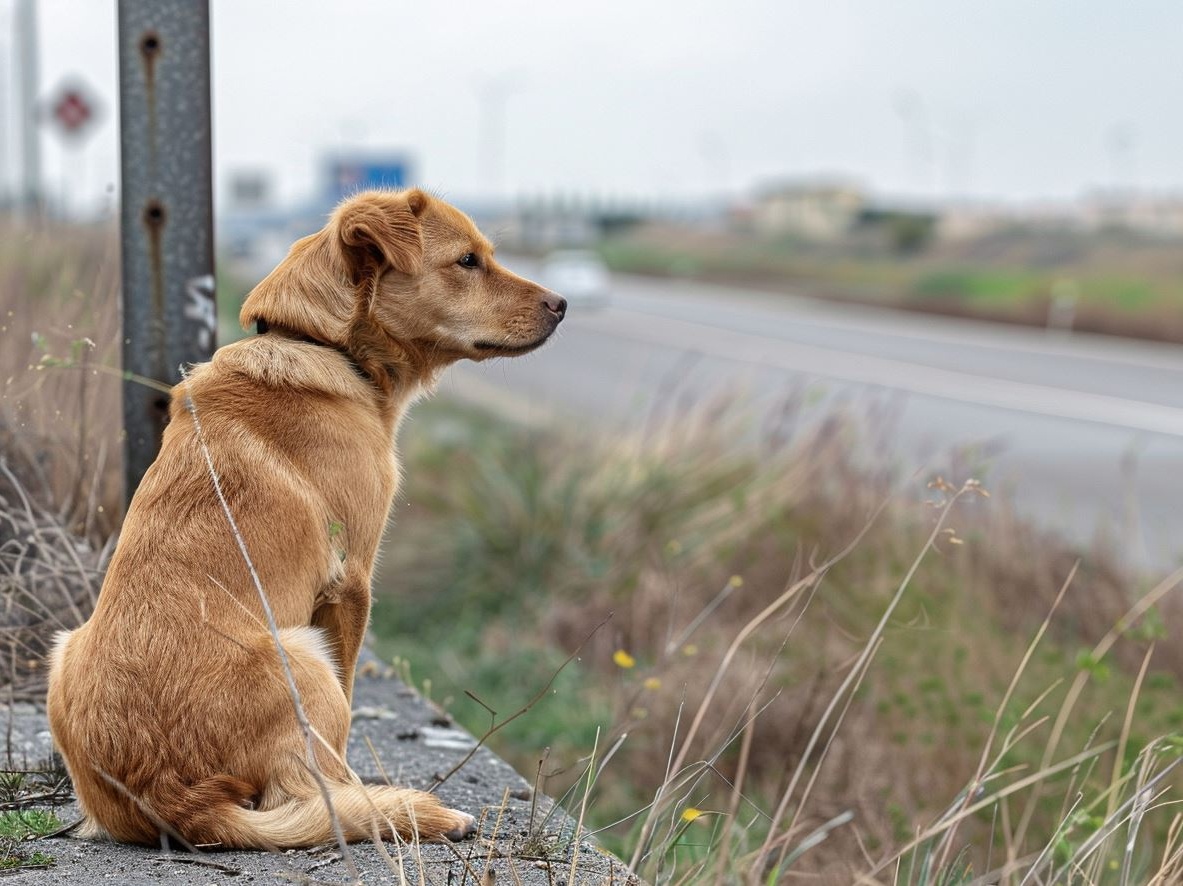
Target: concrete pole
{"points": [[167, 210], [25, 26], [6, 121]]}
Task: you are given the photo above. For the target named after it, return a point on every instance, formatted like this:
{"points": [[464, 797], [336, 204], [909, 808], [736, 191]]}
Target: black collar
{"points": [[262, 327]]}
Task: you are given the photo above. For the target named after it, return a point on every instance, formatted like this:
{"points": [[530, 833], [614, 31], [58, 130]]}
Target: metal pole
{"points": [[167, 210], [30, 129], [6, 122]]}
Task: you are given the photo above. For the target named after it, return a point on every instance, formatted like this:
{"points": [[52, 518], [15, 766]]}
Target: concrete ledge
{"points": [[411, 742]]}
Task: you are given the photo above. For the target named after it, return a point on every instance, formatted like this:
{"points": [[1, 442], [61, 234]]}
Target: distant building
{"points": [[1155, 214], [815, 209], [543, 223], [249, 190], [968, 221], [1159, 215], [255, 233]]}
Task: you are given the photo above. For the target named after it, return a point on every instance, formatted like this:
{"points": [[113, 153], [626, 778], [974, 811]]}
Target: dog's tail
{"points": [[213, 814], [363, 811]]}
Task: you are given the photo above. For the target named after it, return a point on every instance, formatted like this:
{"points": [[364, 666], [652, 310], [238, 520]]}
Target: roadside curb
{"points": [[395, 735]]}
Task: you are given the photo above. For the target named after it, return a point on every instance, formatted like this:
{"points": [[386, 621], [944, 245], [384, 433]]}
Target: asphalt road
{"points": [[1084, 433]]}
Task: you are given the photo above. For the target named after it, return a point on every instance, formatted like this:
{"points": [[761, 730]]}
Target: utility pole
{"points": [[25, 28], [493, 94], [166, 210], [5, 120]]}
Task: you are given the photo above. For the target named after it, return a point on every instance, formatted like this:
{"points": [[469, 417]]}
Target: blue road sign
{"points": [[348, 175]]}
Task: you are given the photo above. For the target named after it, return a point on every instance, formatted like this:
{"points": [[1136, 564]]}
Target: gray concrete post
{"points": [[25, 21], [167, 210]]}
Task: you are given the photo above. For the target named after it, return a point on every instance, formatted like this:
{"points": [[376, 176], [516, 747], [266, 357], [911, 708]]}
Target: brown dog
{"points": [[170, 705]]}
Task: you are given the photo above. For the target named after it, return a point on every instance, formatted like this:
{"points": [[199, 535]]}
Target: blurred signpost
{"points": [[73, 111], [348, 174], [25, 25], [167, 210]]}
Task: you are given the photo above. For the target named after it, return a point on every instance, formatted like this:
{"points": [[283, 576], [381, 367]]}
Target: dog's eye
{"points": [[469, 260]]}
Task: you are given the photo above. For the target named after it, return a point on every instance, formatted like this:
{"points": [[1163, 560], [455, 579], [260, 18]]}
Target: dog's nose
{"points": [[556, 304]]}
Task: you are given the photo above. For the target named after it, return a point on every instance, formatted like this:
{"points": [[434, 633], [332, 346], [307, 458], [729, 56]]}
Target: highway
{"points": [[1083, 433]]}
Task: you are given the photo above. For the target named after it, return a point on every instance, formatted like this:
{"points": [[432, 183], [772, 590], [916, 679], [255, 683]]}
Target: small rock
{"points": [[449, 739], [373, 712]]}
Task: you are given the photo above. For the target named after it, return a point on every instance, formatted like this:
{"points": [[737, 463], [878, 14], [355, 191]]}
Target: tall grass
{"points": [[770, 703], [60, 419], [60, 427]]}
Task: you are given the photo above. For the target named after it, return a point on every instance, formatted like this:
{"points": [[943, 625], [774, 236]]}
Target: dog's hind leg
{"points": [[292, 810], [343, 617]]}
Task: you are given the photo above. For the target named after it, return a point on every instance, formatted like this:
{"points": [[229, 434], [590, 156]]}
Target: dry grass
{"points": [[60, 421], [688, 537], [60, 486], [49, 581]]}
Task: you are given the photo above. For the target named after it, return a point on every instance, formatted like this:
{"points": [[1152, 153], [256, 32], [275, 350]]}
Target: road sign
{"points": [[349, 174], [73, 111]]}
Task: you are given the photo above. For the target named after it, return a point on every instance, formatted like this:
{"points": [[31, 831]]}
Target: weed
{"points": [[12, 858], [23, 824], [17, 826]]}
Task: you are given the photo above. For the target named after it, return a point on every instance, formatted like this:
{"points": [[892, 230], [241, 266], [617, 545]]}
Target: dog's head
{"points": [[406, 280]]}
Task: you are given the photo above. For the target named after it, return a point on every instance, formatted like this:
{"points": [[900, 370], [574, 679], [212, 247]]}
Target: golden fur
{"points": [[169, 704]]}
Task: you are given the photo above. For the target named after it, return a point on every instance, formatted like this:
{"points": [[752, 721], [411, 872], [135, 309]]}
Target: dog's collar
{"points": [[262, 327]]}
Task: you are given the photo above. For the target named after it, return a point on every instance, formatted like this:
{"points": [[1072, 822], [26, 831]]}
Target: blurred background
{"points": [[817, 254], [1003, 163]]}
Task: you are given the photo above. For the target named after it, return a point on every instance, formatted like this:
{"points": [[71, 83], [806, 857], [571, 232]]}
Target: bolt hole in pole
{"points": [[166, 210], [154, 214]]}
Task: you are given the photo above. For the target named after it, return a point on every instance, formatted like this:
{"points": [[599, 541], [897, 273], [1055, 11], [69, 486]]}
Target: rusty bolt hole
{"points": [[154, 214], [150, 43]]}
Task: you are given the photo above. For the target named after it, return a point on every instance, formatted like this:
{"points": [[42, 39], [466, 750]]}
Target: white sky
{"points": [[1011, 99]]}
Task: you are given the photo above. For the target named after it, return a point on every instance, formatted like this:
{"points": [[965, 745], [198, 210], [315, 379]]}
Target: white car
{"points": [[579, 275]]}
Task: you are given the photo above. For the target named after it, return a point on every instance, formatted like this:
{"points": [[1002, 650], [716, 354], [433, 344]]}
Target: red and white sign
{"points": [[73, 111]]}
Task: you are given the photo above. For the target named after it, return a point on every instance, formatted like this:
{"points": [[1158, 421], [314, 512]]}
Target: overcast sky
{"points": [[1010, 99]]}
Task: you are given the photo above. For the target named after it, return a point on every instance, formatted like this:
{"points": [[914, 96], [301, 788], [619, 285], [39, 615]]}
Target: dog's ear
{"points": [[382, 230]]}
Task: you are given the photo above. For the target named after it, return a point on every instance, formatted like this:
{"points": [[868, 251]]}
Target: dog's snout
{"points": [[555, 303]]}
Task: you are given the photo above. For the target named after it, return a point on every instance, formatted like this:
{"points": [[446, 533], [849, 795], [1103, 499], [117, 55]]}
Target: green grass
{"points": [[976, 285], [19, 826], [23, 824], [13, 859]]}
